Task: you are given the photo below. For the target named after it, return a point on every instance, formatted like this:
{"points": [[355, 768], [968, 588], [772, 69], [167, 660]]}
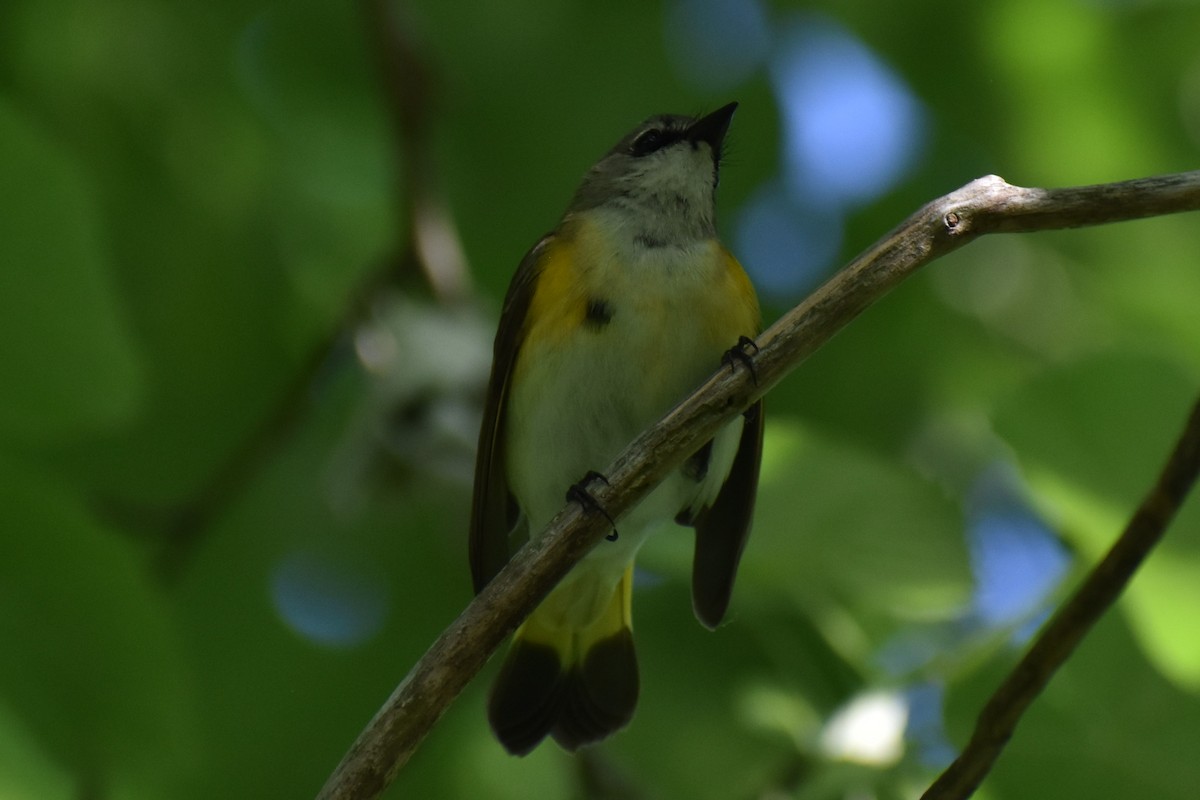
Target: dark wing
{"points": [[494, 511], [722, 529]]}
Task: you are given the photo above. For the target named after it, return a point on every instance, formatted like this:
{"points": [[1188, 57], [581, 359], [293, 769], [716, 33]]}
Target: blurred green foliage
{"points": [[192, 195]]}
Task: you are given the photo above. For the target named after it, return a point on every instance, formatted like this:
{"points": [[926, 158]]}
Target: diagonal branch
{"points": [[987, 205], [1073, 620], [431, 247]]}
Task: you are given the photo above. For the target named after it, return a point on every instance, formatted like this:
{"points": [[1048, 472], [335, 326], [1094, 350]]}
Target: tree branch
{"points": [[1073, 620], [987, 205], [431, 248]]}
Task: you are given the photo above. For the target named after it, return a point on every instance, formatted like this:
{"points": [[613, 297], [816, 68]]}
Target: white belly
{"points": [[581, 404], [583, 398]]}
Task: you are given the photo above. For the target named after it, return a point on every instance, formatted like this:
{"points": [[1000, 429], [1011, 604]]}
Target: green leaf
{"points": [[26, 770], [1103, 424], [834, 520], [67, 361], [91, 663], [1092, 437], [305, 71]]}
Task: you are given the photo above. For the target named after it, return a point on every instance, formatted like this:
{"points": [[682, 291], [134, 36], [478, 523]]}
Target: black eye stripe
{"points": [[648, 141]]}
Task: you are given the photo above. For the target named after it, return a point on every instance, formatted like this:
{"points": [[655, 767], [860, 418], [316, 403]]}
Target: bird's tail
{"points": [[578, 683]]}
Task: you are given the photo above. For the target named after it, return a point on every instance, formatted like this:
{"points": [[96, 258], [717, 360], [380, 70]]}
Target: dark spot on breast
{"points": [[647, 241], [599, 313]]}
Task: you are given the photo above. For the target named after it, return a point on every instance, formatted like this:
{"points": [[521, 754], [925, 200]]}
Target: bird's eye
{"points": [[647, 142]]}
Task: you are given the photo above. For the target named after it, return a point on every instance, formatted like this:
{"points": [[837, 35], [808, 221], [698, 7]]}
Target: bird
{"points": [[612, 318]]}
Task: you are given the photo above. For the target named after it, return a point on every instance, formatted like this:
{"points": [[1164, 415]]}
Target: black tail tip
{"points": [[601, 694], [524, 701], [534, 697]]}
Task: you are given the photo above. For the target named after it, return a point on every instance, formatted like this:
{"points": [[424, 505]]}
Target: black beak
{"points": [[712, 128]]}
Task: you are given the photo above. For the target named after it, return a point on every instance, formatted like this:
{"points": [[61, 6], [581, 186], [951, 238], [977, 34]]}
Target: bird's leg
{"points": [[741, 352]]}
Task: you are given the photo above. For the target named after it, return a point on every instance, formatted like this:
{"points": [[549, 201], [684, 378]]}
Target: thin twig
{"points": [[179, 528], [431, 247], [987, 205], [1073, 620]]}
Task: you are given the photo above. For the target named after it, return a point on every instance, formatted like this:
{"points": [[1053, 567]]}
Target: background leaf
{"points": [[55, 268]]}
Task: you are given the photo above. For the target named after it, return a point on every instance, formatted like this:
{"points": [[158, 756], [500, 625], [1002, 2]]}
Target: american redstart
{"points": [[610, 320]]}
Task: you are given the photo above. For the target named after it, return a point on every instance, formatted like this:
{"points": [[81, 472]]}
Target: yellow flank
{"points": [[746, 319], [573, 641], [559, 301]]}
